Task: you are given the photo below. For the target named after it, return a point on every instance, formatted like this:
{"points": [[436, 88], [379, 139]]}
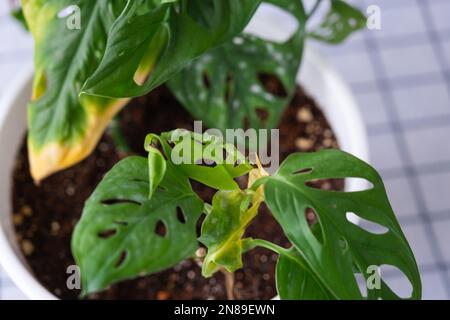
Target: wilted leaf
{"points": [[64, 127], [223, 229]]}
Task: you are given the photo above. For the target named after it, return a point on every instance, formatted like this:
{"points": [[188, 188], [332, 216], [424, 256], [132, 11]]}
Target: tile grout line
{"points": [[438, 49], [441, 216], [421, 170], [436, 41], [425, 269], [410, 172], [437, 121], [391, 42], [401, 82]]}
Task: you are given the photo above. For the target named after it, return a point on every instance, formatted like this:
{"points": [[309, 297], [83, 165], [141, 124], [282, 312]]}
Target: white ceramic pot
{"points": [[317, 77]]}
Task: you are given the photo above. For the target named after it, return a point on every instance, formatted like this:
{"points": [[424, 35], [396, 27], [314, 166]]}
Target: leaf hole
{"points": [[367, 225], [246, 123], [326, 184], [161, 188], [303, 171], [361, 281], [161, 229], [121, 260], [273, 85], [106, 234], [180, 215], [206, 81], [121, 222], [277, 15], [358, 184], [263, 115], [111, 202], [139, 180], [311, 216], [229, 87], [396, 280], [355, 184]]}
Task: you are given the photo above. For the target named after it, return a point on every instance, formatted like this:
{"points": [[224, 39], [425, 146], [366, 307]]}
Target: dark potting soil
{"points": [[45, 216]]}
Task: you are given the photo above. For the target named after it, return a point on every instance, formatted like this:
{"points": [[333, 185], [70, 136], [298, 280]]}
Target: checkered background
{"points": [[401, 78]]}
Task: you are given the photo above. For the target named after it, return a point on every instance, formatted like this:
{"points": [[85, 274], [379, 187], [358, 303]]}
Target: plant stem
{"points": [[253, 243], [229, 283]]}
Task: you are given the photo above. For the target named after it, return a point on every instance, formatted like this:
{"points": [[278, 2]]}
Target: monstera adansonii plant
{"points": [[117, 237], [84, 75]]}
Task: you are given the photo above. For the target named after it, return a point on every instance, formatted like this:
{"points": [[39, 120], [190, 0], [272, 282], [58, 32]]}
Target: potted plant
{"points": [[143, 216]]}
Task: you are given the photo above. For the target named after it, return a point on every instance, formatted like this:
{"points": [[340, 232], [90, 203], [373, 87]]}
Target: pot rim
{"points": [[15, 264]]}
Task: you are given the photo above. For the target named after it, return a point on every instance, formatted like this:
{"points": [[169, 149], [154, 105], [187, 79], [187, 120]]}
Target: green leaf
{"points": [[223, 229], [117, 236], [224, 87], [157, 165], [294, 282], [63, 127], [341, 243], [340, 22], [167, 38], [206, 158]]}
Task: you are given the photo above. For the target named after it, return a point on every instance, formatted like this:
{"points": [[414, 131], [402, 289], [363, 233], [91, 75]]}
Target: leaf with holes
{"points": [[297, 282], [245, 83], [63, 127], [340, 22], [123, 234], [166, 46], [206, 158], [341, 244], [223, 229]]}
